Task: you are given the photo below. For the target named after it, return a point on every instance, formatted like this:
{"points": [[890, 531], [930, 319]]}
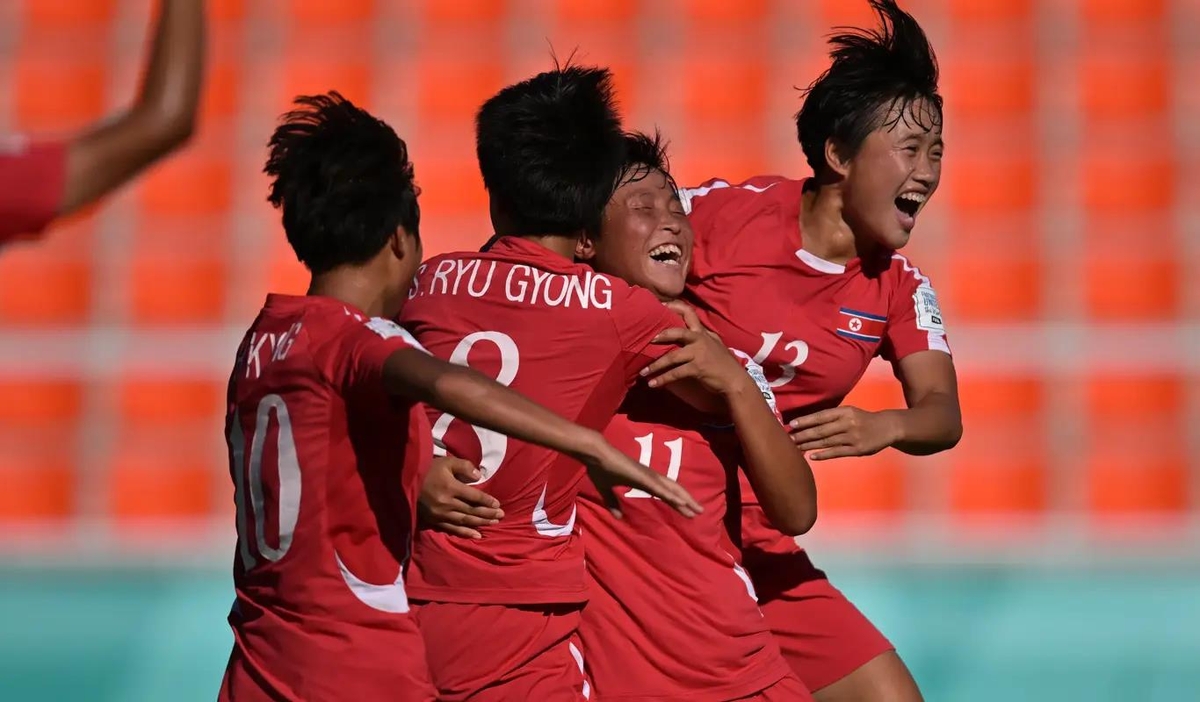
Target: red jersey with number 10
{"points": [[326, 470], [812, 324], [567, 337]]}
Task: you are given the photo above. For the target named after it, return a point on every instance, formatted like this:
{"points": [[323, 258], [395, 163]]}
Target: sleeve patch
{"points": [[929, 314], [388, 329]]}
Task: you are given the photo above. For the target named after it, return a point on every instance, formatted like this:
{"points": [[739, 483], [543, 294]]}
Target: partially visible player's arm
{"points": [[162, 119], [778, 472], [933, 420], [479, 400]]}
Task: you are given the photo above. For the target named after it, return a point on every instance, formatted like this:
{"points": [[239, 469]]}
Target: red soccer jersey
{"points": [[569, 338], [32, 178], [812, 324], [672, 615], [326, 469]]}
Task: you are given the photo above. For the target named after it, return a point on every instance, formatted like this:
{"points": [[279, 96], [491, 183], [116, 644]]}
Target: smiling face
{"points": [[892, 176], [645, 238]]}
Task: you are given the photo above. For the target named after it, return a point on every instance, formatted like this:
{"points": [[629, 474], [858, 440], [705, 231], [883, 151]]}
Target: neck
{"points": [[562, 245], [827, 235], [353, 286]]}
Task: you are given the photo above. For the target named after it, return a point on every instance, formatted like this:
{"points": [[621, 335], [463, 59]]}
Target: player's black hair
{"points": [[645, 154], [874, 72], [550, 149], [343, 181]]}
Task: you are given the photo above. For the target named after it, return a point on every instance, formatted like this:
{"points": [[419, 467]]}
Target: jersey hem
{"points": [[720, 694]]}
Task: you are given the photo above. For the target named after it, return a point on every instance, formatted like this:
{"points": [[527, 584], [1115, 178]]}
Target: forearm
{"points": [[777, 471], [162, 118], [931, 425], [479, 400]]}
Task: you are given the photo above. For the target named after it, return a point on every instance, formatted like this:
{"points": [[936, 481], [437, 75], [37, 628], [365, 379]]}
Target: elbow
{"points": [[167, 128], [797, 521]]}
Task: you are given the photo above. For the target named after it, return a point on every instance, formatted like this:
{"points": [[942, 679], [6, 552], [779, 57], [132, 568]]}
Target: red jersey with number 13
{"points": [[326, 468], [567, 337], [812, 324]]}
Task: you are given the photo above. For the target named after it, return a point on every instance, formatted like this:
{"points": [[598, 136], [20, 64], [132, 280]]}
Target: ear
{"points": [[404, 245], [834, 159], [585, 247]]}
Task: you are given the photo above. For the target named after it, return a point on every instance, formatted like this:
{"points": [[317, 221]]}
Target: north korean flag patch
{"points": [[860, 326]]}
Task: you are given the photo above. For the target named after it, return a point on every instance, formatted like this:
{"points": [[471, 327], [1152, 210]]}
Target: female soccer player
{"points": [[804, 277], [671, 614], [42, 181]]}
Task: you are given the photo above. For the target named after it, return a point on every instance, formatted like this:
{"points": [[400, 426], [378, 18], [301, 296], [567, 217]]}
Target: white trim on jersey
{"points": [[819, 264], [926, 307], [686, 194]]}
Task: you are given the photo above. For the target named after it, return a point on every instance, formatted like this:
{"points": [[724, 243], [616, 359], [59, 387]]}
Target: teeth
{"points": [[663, 249], [918, 198]]}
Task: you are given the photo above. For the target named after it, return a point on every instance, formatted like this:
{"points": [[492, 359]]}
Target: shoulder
{"points": [[905, 276], [759, 191]]}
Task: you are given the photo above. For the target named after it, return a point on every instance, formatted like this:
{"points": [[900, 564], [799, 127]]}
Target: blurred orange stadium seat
{"points": [[845, 13], [160, 481], [721, 14], [322, 13], [1143, 397], [990, 279], [1010, 80], [1000, 468], [43, 287], [58, 15], [1124, 284], [1137, 483], [873, 393], [1129, 84], [1137, 457], [177, 288], [464, 12], [59, 90], [454, 85], [987, 12], [1127, 177], [220, 100], [725, 87], [156, 400], [197, 182], [1123, 11], [877, 484], [227, 10], [998, 179], [49, 281], [309, 72], [1001, 477], [37, 403], [734, 151], [449, 184], [589, 13], [37, 486]]}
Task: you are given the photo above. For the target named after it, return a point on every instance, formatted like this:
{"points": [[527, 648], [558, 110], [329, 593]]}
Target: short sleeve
{"points": [[32, 180], [718, 212], [915, 319], [358, 355], [638, 317]]}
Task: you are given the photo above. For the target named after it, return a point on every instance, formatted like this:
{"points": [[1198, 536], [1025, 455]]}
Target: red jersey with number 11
{"points": [[567, 337], [326, 470]]}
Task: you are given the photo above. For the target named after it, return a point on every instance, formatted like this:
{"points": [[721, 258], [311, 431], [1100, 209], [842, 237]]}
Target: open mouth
{"points": [[910, 203], [667, 254]]}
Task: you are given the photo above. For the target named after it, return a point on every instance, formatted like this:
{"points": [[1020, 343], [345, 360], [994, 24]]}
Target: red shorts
{"points": [[498, 653], [821, 634]]}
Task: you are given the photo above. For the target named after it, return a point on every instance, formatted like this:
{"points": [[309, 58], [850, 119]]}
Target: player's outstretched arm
{"points": [[779, 474], [481, 401], [162, 119]]}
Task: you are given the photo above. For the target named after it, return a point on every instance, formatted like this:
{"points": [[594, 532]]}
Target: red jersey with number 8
{"points": [[569, 338], [326, 469]]}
